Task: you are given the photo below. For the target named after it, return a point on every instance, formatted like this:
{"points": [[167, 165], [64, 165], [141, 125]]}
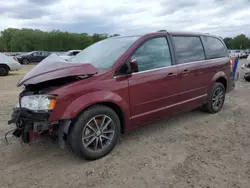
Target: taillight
{"points": [[231, 64]]}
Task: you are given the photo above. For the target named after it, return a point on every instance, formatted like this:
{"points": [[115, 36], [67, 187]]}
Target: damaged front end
{"points": [[32, 113], [37, 101]]}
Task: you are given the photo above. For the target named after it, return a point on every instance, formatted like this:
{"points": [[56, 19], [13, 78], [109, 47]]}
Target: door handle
{"points": [[171, 74], [185, 72]]}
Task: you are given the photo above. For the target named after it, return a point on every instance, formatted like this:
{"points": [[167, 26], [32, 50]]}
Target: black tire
{"points": [[25, 61], [80, 126], [210, 105], [4, 70], [247, 77]]}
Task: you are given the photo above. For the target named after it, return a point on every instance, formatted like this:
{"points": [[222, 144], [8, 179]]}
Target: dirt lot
{"points": [[194, 149]]}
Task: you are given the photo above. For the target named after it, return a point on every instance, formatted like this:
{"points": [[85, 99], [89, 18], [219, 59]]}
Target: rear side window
{"points": [[214, 48], [188, 49]]}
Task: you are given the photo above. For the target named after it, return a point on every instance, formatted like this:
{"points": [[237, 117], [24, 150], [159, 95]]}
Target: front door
{"points": [[34, 56], [153, 89]]}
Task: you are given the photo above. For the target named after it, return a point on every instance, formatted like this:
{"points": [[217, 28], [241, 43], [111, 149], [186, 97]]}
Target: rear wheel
{"points": [[95, 132], [216, 98], [4, 70]]}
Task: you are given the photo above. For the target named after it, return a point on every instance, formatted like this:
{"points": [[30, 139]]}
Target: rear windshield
{"points": [[105, 53]]}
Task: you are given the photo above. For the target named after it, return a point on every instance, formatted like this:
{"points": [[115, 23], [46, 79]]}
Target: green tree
{"points": [[1, 44], [24, 40], [28, 40], [240, 42], [228, 41]]}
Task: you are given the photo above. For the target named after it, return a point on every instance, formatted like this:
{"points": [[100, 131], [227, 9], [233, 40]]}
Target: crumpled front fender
{"points": [[69, 109]]}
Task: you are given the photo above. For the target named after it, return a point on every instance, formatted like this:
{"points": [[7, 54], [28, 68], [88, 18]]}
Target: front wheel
{"points": [[25, 61], [95, 132], [247, 77], [4, 71], [216, 98]]}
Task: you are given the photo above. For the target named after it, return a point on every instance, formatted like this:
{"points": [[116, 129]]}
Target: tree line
{"points": [[25, 40]]}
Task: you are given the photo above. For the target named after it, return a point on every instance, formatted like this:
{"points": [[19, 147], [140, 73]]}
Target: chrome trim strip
{"points": [[206, 60], [154, 69], [169, 106]]}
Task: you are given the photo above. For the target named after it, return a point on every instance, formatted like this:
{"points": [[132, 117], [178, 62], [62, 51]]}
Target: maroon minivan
{"points": [[121, 83]]}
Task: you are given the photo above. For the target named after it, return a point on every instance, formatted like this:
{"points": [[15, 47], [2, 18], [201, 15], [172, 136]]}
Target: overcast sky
{"points": [[220, 17]]}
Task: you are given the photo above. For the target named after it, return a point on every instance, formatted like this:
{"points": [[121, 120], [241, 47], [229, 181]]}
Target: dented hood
{"points": [[54, 67]]}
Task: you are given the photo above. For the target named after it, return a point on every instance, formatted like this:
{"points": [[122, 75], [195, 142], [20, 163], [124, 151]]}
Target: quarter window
{"points": [[153, 54], [188, 49], [214, 48]]}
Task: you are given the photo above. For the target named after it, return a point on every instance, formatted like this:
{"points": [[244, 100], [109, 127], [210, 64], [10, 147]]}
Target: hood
{"points": [[54, 67], [65, 57], [6, 59]]}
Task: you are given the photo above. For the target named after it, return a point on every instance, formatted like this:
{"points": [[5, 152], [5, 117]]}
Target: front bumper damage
{"points": [[31, 125]]}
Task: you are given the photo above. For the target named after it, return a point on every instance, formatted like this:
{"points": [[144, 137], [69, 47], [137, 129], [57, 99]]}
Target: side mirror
{"points": [[133, 66]]}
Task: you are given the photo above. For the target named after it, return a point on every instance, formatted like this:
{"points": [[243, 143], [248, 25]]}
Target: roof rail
{"points": [[163, 30]]}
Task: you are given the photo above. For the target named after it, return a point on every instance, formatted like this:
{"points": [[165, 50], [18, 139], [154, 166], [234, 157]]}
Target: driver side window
{"points": [[35, 54], [153, 54]]}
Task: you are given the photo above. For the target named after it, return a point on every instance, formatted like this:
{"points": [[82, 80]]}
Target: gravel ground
{"points": [[194, 149]]}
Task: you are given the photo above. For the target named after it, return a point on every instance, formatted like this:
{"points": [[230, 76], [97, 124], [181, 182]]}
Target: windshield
{"points": [[68, 53], [28, 53], [105, 53]]}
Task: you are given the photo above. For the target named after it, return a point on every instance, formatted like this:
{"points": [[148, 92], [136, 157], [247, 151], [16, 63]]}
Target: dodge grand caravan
{"points": [[121, 83]]}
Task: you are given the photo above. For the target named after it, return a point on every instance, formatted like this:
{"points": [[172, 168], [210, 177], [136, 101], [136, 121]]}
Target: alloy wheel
{"points": [[218, 97], [25, 62], [98, 133]]}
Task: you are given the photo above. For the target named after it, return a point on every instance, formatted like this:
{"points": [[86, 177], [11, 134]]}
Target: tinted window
{"points": [[153, 54], [45, 53], [74, 53], [35, 53], [40, 53], [214, 48], [105, 53], [188, 49]]}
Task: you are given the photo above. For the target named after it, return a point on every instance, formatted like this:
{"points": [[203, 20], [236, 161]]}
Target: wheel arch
{"points": [[220, 77], [116, 108], [76, 107], [223, 81], [5, 65]]}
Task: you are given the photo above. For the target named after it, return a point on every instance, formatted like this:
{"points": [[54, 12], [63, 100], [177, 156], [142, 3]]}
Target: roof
{"points": [[184, 33]]}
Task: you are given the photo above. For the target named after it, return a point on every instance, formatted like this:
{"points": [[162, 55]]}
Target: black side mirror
{"points": [[133, 66], [128, 68]]}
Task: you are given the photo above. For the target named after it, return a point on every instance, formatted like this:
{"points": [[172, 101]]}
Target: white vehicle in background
{"points": [[238, 53], [69, 54], [235, 53], [8, 63], [246, 69]]}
